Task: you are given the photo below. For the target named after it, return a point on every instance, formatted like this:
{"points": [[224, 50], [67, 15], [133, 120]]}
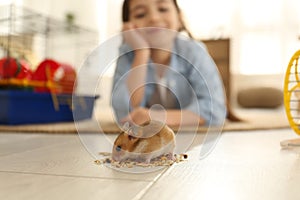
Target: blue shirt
{"points": [[192, 77]]}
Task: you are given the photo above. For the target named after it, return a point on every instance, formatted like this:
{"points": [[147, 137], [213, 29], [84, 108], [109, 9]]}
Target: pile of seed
{"points": [[159, 161]]}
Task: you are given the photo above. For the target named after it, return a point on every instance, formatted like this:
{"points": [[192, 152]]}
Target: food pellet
{"points": [[159, 161]]}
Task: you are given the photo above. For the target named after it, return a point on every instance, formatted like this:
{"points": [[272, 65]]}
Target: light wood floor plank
{"points": [[36, 187], [20, 142], [241, 167], [66, 157]]}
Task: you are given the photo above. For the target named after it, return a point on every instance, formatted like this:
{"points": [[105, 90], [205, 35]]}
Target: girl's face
{"points": [[154, 13], [159, 16]]}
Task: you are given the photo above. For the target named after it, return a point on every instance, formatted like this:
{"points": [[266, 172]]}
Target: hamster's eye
{"points": [[118, 148]]}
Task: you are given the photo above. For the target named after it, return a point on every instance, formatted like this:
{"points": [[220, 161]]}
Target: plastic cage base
{"points": [[27, 107]]}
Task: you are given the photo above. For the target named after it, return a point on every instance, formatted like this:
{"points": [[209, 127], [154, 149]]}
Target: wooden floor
{"points": [[243, 165]]}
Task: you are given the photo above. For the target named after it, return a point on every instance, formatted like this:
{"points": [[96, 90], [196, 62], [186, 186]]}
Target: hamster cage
{"points": [[39, 57]]}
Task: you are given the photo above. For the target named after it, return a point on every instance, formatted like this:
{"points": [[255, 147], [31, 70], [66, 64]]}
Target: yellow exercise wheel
{"points": [[292, 92]]}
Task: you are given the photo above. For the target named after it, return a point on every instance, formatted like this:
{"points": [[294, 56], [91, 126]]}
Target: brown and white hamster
{"points": [[150, 140]]}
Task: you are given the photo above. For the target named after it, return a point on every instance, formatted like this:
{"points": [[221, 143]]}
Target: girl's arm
{"points": [[130, 74], [170, 117], [137, 77], [181, 118]]}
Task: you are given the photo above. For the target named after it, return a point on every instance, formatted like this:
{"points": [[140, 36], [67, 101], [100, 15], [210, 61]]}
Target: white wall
{"points": [[66, 47], [264, 33], [86, 11]]}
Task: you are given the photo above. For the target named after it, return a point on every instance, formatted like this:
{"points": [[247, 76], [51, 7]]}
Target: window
{"points": [[264, 34]]}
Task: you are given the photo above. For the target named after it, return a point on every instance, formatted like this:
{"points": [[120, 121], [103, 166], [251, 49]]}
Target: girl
{"points": [[158, 66]]}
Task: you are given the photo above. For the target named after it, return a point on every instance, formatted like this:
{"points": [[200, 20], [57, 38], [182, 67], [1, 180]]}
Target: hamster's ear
{"points": [[133, 131], [132, 138], [126, 127]]}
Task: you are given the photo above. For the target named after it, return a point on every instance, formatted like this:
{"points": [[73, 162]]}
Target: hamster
{"points": [[150, 140]]}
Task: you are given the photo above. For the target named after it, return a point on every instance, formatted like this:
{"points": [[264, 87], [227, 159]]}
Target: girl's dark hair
{"points": [[126, 13]]}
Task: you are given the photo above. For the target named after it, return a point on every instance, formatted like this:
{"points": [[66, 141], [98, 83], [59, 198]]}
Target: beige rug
{"points": [[252, 120]]}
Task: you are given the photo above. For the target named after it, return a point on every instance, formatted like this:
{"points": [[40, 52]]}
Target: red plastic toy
{"points": [[14, 68], [63, 76]]}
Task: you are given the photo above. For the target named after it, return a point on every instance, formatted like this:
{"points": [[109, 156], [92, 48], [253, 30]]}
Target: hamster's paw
{"points": [[147, 160]]}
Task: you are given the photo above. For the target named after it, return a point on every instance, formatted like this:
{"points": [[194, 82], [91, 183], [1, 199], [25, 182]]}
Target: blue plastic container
{"points": [[27, 107]]}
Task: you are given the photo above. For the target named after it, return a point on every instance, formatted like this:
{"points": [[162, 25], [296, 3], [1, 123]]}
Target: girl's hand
{"points": [[133, 37], [138, 116]]}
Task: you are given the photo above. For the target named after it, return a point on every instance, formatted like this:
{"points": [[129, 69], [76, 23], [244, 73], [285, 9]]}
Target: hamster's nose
{"points": [[115, 157]]}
